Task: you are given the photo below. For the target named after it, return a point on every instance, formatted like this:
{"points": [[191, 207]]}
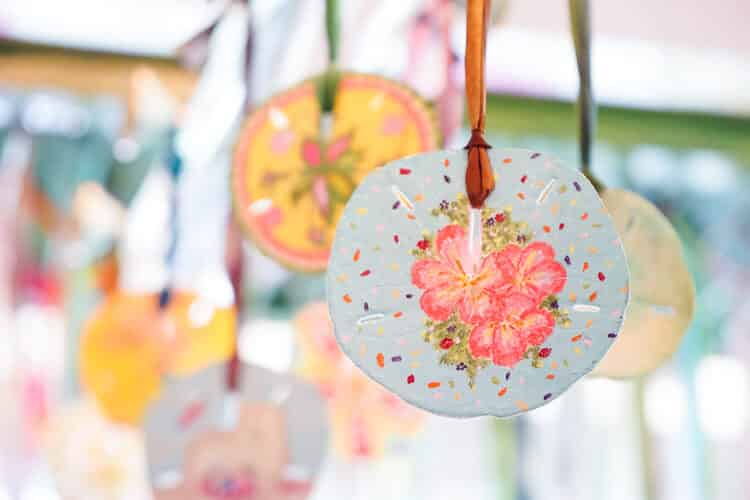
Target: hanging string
{"points": [[581, 27], [480, 180], [174, 168], [328, 83]]}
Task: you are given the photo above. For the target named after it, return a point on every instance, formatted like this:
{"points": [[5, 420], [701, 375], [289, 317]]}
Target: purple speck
{"points": [[396, 205], [535, 155], [444, 205], [409, 295], [578, 186], [554, 305], [567, 260], [451, 328], [490, 221], [396, 359], [507, 376], [547, 396], [612, 335], [447, 179], [367, 306]]}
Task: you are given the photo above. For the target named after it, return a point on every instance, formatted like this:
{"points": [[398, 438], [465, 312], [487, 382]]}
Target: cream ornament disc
{"points": [[291, 180], [467, 313], [663, 294]]}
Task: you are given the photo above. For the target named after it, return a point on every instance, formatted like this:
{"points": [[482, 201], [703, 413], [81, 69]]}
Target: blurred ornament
{"points": [[294, 169], [122, 355], [661, 288], [365, 418], [203, 332], [263, 441], [92, 458]]}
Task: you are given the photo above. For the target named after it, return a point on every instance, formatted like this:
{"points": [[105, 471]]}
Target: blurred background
{"points": [[93, 94]]}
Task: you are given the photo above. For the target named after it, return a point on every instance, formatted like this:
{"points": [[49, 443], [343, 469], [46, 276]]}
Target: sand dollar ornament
{"points": [[302, 154], [661, 287], [476, 282]]}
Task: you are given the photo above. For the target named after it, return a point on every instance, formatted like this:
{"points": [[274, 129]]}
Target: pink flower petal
{"points": [[482, 340], [311, 153], [338, 147], [439, 303], [453, 248], [431, 273]]}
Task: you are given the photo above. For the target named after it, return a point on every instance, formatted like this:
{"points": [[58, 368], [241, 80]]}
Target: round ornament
{"points": [[122, 355], [467, 312], [365, 418], [663, 294], [295, 167]]}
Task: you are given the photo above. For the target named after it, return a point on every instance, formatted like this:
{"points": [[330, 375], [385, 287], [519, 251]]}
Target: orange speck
{"points": [[418, 197], [446, 162], [398, 314], [433, 385], [507, 160], [502, 392], [547, 229], [347, 299], [521, 405], [521, 196], [381, 359], [585, 266], [357, 253], [585, 216], [551, 376], [576, 338], [589, 323], [592, 297], [553, 365], [411, 216]]}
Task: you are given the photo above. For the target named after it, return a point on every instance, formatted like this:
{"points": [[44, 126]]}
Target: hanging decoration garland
{"points": [[662, 290], [478, 282], [302, 154], [366, 419]]}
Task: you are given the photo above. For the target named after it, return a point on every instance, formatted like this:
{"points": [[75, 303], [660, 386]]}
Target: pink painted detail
{"points": [[229, 487], [338, 147], [191, 414], [531, 271], [449, 282], [311, 153], [514, 324], [394, 125], [282, 141], [320, 195]]}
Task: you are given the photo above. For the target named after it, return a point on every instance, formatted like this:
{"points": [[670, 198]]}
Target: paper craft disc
{"points": [[121, 355], [365, 418], [266, 441], [492, 313], [662, 290], [291, 179]]}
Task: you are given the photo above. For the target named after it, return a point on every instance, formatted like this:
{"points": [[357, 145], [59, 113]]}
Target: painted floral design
{"points": [[498, 307], [328, 172]]}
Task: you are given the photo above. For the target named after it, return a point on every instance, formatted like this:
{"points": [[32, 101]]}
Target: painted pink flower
{"points": [[514, 324], [314, 155], [451, 282], [531, 271]]}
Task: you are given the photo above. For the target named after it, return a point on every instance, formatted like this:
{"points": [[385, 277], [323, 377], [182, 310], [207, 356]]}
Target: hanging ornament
{"points": [[365, 418], [661, 288], [476, 282], [262, 437], [92, 458], [302, 154]]}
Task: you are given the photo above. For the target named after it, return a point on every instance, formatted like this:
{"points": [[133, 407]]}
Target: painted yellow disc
{"points": [[121, 355], [291, 178]]}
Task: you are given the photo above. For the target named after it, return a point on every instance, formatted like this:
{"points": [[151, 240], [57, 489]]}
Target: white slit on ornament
{"points": [[370, 319], [586, 308], [475, 238], [663, 310], [402, 198], [261, 206], [545, 192]]}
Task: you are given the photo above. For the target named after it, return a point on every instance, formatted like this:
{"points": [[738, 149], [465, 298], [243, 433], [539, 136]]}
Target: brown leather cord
{"points": [[480, 181]]}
